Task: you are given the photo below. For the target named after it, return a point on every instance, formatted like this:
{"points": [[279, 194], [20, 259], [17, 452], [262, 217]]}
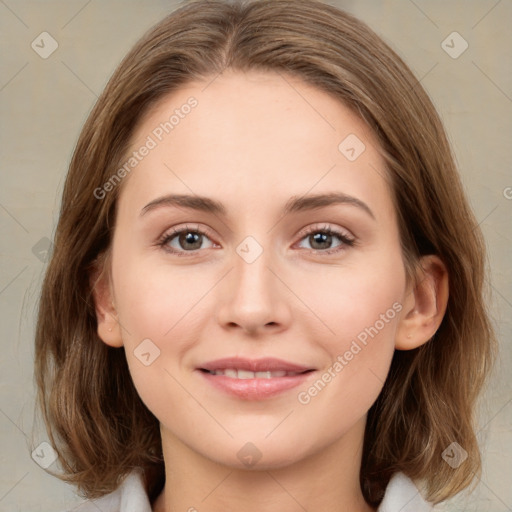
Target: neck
{"points": [[328, 480]]}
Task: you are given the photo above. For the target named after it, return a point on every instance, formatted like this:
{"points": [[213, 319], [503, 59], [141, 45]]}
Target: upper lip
{"points": [[254, 365]]}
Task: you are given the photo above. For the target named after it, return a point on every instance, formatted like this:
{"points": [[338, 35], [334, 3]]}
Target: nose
{"points": [[253, 297]]}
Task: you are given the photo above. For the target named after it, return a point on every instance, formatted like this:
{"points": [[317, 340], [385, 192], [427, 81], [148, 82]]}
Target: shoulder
{"points": [[403, 495], [130, 496]]}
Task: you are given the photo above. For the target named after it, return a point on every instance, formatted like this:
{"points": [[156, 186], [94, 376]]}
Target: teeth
{"points": [[245, 374]]}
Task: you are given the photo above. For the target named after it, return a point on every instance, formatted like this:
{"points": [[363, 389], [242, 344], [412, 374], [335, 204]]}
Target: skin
{"points": [[253, 141]]}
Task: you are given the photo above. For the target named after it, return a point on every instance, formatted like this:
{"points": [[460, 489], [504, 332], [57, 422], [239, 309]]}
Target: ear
{"points": [[109, 330], [424, 305]]}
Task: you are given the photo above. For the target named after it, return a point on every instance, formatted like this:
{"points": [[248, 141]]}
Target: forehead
{"points": [[242, 137]]}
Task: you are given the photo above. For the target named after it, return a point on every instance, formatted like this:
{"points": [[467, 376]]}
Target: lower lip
{"points": [[255, 389]]}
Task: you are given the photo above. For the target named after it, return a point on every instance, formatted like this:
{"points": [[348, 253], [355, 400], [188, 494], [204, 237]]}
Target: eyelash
{"points": [[327, 229]]}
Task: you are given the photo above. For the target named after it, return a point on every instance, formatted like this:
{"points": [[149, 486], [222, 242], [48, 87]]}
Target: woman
{"points": [[321, 344]]}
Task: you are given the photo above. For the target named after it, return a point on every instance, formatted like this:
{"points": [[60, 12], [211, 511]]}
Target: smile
{"points": [[253, 379]]}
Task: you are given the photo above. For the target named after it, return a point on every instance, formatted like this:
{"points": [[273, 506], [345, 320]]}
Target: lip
{"points": [[257, 388], [268, 364]]}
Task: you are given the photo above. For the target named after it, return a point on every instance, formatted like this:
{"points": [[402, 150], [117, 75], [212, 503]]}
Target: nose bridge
{"points": [[251, 296], [251, 269]]}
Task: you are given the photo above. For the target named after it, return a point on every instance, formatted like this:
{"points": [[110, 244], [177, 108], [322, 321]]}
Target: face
{"points": [[270, 278]]}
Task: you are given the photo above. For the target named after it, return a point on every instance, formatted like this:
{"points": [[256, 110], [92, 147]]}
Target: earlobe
{"points": [[106, 315], [424, 305]]}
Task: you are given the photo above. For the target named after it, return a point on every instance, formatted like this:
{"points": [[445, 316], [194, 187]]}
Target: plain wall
{"points": [[44, 103]]}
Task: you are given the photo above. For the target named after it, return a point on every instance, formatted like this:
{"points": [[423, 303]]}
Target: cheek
{"points": [[346, 388], [154, 315], [362, 310], [153, 299], [367, 318], [158, 309], [358, 305]]}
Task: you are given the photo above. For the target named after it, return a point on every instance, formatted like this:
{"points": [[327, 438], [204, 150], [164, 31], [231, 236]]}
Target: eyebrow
{"points": [[294, 204]]}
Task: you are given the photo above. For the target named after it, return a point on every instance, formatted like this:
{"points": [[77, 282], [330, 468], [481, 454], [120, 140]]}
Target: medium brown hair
{"points": [[96, 421]]}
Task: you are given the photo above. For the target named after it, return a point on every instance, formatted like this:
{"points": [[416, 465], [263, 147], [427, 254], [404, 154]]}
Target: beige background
{"points": [[44, 103]]}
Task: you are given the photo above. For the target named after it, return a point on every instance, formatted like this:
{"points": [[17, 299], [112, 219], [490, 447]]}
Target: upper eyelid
{"points": [[326, 227]]}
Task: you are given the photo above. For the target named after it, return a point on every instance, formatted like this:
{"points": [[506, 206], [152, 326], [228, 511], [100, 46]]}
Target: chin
{"points": [[257, 455]]}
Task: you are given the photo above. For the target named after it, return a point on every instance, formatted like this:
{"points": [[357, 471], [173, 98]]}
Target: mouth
{"points": [[254, 379]]}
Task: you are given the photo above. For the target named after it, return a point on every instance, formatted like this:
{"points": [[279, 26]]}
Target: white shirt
{"points": [[401, 496]]}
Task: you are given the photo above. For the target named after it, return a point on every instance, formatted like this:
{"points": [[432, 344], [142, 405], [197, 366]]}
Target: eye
{"points": [[321, 239], [179, 241]]}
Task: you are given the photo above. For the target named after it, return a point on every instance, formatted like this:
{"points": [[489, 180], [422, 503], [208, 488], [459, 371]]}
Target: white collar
{"points": [[401, 496]]}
